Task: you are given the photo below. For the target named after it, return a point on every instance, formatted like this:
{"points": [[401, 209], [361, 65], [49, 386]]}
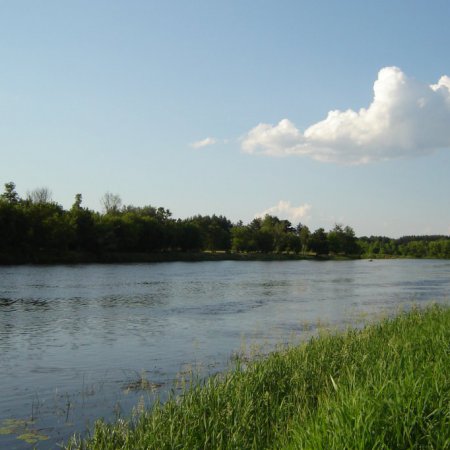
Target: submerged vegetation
{"points": [[385, 386], [37, 229], [23, 429]]}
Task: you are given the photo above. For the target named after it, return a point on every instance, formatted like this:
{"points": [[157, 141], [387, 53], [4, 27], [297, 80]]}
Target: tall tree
{"points": [[40, 196], [10, 194], [111, 203], [83, 223], [318, 242], [304, 234]]}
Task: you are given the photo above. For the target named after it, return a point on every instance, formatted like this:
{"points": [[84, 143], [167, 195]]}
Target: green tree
{"points": [[305, 236], [318, 242], [186, 236], [215, 231], [264, 240], [49, 229], [243, 239], [10, 194], [294, 243], [336, 239], [280, 231], [84, 225], [418, 249], [342, 240], [14, 227]]}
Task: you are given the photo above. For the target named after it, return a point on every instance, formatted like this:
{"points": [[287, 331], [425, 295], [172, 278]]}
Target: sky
{"points": [[319, 112]]}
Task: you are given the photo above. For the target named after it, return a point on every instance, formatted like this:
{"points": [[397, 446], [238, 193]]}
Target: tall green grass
{"points": [[383, 387]]}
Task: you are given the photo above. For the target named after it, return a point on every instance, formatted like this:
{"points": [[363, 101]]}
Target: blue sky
{"points": [[124, 97]]}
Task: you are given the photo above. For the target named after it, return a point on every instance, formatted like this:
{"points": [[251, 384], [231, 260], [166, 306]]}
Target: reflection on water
{"points": [[88, 341]]}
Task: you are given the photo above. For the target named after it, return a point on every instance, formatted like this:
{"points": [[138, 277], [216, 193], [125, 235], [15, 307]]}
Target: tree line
{"points": [[435, 246], [36, 225]]}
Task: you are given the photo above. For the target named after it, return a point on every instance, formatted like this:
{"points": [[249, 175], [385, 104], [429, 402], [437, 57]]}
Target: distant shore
{"points": [[118, 257], [125, 257]]}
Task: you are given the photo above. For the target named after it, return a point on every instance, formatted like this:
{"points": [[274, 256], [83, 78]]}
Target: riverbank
{"points": [[385, 386], [121, 257], [136, 257]]}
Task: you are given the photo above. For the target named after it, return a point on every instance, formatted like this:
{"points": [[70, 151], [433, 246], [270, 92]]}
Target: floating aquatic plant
{"points": [[23, 430]]}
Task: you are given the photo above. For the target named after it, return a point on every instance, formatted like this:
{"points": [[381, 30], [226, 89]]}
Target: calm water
{"points": [[74, 339]]}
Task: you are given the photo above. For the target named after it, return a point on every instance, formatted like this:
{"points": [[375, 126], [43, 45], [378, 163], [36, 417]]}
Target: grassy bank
{"points": [[386, 386]]}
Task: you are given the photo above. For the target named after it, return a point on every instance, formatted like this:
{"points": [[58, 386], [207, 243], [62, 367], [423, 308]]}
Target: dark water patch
{"points": [[342, 280]]}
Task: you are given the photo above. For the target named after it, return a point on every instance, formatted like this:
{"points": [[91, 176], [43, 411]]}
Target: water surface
{"points": [[75, 339]]}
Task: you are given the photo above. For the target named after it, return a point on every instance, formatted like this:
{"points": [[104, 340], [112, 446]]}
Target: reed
{"points": [[385, 386]]}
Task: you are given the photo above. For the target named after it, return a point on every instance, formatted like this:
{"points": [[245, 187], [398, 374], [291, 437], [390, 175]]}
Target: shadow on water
{"points": [[4, 302]]}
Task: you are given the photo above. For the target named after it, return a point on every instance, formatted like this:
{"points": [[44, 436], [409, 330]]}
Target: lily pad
{"points": [[13, 426], [32, 437], [21, 428]]}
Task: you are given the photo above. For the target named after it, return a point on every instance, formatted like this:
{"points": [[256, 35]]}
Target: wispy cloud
{"points": [[406, 118], [204, 143], [285, 210]]}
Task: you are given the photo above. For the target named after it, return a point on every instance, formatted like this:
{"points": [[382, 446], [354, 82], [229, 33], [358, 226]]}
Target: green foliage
{"points": [[389, 388], [84, 226], [243, 239], [407, 246], [215, 232], [13, 228], [186, 236], [304, 235], [318, 242], [10, 195], [342, 240], [37, 229], [267, 235], [385, 386]]}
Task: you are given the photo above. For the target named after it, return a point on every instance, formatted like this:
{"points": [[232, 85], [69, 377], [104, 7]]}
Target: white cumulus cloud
{"points": [[285, 210], [204, 143], [406, 118]]}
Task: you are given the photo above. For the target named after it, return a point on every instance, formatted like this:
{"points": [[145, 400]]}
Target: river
{"points": [[87, 341]]}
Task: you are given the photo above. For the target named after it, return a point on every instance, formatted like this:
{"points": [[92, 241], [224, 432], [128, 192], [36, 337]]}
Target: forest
{"points": [[35, 229]]}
